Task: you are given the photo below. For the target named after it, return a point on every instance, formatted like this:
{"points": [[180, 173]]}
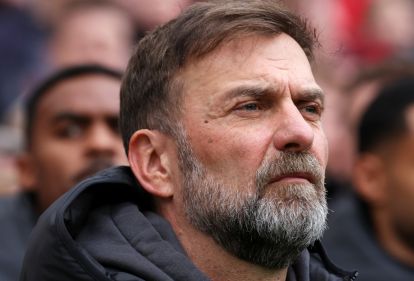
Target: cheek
{"points": [[400, 179], [401, 197], [321, 148], [402, 184], [59, 159], [235, 151]]}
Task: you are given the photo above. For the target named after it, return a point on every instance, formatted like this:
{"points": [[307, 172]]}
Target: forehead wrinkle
{"points": [[279, 67], [276, 59]]}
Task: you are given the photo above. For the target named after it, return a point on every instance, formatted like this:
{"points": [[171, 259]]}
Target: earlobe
{"points": [[26, 172], [369, 179], [149, 160]]}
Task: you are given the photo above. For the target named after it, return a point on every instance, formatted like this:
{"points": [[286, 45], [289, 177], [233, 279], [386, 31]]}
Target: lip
{"points": [[294, 177]]}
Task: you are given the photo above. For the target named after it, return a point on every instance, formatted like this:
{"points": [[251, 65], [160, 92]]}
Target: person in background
{"points": [[71, 132], [86, 31], [221, 121], [91, 31], [373, 228], [149, 14], [343, 114]]}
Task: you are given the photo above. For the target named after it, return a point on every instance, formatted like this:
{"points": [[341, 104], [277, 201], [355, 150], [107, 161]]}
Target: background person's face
{"points": [[399, 173], [74, 135]]}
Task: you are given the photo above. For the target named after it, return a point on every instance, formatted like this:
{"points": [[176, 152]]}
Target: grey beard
{"points": [[268, 227]]}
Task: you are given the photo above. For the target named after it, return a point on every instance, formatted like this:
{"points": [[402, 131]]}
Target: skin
{"points": [[230, 131], [97, 35], [390, 192], [240, 107], [151, 13], [75, 124]]}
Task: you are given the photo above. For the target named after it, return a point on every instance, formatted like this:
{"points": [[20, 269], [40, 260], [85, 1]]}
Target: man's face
{"points": [[399, 171], [252, 150], [75, 134]]}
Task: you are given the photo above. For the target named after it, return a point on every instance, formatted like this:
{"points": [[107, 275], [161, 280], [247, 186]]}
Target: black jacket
{"points": [[104, 229]]}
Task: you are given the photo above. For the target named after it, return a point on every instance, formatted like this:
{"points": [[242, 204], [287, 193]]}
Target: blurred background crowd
{"points": [[364, 45]]}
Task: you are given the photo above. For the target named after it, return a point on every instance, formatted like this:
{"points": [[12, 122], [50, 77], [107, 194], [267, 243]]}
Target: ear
{"points": [[26, 169], [369, 179], [150, 158]]}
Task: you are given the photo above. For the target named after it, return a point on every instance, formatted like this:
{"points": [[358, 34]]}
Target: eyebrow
{"points": [[248, 90], [311, 94], [307, 94], [80, 118], [68, 116]]}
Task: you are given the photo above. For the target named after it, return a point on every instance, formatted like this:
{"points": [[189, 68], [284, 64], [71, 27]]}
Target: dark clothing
{"points": [[335, 189], [17, 219], [350, 241], [104, 229]]}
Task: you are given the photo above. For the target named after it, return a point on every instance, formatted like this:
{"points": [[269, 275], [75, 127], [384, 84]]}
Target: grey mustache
{"points": [[289, 163]]}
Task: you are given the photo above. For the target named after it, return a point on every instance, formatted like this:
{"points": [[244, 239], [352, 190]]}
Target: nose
{"points": [[293, 132], [102, 141]]}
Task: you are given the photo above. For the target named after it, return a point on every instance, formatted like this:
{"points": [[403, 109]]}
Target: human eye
{"points": [[311, 111], [69, 131], [248, 106], [113, 124]]}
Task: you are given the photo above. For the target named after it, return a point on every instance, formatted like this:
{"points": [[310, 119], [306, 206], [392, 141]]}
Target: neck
{"points": [[213, 260]]}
